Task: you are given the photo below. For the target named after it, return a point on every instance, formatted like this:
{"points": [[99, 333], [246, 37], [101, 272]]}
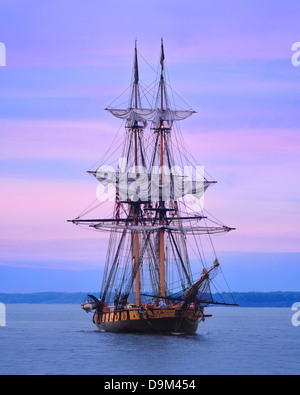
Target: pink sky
{"points": [[231, 61], [255, 170]]}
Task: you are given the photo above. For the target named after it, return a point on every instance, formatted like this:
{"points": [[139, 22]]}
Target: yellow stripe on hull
{"points": [[149, 320]]}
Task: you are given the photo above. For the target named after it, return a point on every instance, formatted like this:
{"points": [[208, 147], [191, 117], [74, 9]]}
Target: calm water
{"points": [[61, 339]]}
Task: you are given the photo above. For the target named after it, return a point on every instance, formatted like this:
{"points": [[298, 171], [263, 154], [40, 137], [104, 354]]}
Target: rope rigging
{"points": [[144, 234]]}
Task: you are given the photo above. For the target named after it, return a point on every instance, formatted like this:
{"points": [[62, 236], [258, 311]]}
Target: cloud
{"points": [[73, 254], [39, 209], [56, 139]]}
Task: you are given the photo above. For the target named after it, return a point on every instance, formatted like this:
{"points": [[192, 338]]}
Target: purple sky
{"points": [[66, 61]]}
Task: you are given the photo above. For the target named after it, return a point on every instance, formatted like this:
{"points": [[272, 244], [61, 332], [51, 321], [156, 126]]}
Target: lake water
{"points": [[61, 339]]}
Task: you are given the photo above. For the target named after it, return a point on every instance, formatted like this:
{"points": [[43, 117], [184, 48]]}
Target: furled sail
{"points": [[156, 116], [199, 230], [143, 186]]}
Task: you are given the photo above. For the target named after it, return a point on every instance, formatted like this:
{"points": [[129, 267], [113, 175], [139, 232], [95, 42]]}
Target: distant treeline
{"points": [[266, 299], [44, 298], [243, 299]]}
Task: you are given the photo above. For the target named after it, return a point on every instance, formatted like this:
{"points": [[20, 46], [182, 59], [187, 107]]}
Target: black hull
{"points": [[161, 325]]}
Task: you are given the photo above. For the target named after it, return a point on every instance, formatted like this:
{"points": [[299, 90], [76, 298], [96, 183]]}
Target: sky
{"points": [[67, 61]]}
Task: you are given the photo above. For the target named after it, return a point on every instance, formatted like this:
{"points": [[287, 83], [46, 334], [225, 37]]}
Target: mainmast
{"points": [[135, 129], [162, 290]]}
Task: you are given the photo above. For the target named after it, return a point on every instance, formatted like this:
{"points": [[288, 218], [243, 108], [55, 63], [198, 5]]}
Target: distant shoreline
{"points": [[243, 299]]}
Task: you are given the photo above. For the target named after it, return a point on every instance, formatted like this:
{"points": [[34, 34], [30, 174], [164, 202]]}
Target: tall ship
{"points": [[158, 276]]}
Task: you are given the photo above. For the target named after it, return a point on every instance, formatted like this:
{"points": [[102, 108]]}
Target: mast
{"points": [[135, 130], [136, 76], [162, 290], [162, 58], [161, 231]]}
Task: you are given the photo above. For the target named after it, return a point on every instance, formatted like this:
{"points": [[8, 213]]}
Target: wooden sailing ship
{"points": [[148, 285]]}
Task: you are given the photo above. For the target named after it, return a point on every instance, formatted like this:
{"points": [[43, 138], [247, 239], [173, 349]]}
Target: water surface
{"points": [[61, 339]]}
